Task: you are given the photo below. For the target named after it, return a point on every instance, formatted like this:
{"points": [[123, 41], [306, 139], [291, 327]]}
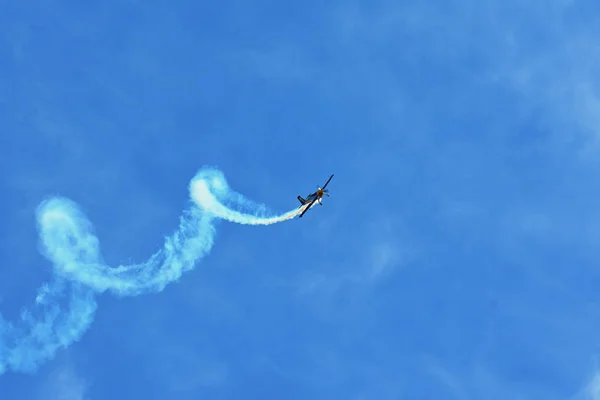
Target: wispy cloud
{"points": [[65, 383], [377, 251], [280, 62], [546, 52], [388, 247], [440, 374], [592, 390], [185, 368]]}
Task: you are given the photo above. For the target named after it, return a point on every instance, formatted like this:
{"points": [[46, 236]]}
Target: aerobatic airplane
{"points": [[314, 198]]}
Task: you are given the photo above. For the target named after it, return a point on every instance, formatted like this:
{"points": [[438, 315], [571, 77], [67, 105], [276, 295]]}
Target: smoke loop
{"points": [[68, 241]]}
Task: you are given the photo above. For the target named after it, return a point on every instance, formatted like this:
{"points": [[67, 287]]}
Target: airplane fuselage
{"points": [[311, 197]]}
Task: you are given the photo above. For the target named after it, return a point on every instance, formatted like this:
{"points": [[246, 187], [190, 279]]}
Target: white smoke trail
{"points": [[68, 241], [210, 191]]}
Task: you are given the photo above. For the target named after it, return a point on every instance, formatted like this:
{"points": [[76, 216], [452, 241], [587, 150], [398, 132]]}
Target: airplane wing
{"points": [[326, 183], [306, 209]]}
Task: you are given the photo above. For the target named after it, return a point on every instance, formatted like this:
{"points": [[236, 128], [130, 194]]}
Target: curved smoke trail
{"points": [[64, 308]]}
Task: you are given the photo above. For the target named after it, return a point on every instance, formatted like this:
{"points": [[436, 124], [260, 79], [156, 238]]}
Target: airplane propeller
{"points": [[324, 191]]}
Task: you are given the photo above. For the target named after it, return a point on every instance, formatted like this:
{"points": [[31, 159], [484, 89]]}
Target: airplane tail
{"points": [[302, 201]]}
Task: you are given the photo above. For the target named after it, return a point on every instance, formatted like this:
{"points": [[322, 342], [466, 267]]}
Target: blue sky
{"points": [[455, 259]]}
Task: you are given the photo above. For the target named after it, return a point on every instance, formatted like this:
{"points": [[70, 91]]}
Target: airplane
{"points": [[314, 198]]}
